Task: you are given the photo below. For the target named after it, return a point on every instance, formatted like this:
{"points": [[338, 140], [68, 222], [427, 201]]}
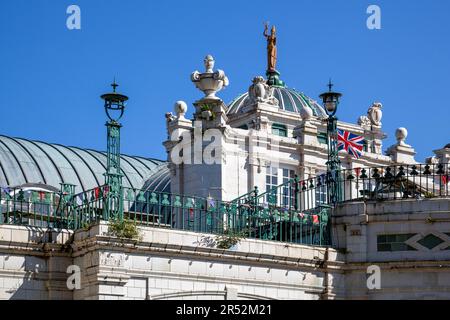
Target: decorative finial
{"points": [[375, 114], [209, 63], [210, 81], [114, 85], [330, 85], [400, 135], [180, 109]]}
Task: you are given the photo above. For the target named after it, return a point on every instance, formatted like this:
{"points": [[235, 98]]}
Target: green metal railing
{"points": [[38, 208], [297, 211], [287, 213]]}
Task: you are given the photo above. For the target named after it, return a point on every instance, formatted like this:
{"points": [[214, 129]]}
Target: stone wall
{"points": [[33, 263], [169, 264], [421, 271]]}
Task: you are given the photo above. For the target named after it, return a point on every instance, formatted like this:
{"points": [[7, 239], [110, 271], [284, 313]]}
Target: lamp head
{"points": [[330, 100], [114, 103]]}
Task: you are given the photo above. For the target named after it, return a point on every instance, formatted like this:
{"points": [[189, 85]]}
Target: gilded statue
{"points": [[271, 47]]}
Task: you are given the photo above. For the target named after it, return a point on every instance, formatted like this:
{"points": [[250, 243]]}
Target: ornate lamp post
{"points": [[331, 101], [114, 108]]}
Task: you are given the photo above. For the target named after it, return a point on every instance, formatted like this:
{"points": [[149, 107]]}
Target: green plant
{"points": [[428, 195], [124, 229], [229, 239], [207, 107]]}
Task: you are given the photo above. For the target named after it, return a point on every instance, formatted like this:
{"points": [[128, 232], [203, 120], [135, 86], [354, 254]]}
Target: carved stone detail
{"points": [[260, 91], [112, 260], [210, 82], [364, 121], [375, 114]]}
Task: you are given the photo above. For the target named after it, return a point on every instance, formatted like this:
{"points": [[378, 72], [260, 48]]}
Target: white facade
{"points": [[244, 155]]}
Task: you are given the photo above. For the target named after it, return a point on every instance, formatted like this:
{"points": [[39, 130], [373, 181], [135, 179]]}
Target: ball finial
{"points": [[400, 135], [180, 108]]}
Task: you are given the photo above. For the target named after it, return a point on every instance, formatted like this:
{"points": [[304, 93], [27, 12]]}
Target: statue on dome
{"points": [[271, 47]]}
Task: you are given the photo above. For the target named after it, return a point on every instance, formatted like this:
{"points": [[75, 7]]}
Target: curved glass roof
{"points": [[26, 162], [289, 100]]}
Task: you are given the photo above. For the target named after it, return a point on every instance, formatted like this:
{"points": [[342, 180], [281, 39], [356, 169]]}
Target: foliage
{"points": [[207, 107], [229, 239], [85, 226], [428, 195], [124, 229]]}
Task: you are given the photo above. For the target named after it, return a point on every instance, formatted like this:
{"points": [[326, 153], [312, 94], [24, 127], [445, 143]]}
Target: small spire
{"points": [[330, 85], [114, 85]]}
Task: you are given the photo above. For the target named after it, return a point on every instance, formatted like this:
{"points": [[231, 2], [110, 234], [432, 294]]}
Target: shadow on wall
{"points": [[34, 275]]}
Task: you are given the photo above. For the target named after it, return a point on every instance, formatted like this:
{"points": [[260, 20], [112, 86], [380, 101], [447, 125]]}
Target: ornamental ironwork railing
{"points": [[297, 211], [37, 207]]}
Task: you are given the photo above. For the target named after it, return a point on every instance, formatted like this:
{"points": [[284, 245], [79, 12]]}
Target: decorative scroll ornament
{"points": [[210, 82], [375, 114], [260, 91], [364, 121]]}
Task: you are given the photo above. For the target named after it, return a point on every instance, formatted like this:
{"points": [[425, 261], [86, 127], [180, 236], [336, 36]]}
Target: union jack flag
{"points": [[350, 142]]}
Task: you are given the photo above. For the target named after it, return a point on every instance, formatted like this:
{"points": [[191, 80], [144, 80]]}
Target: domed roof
{"points": [[289, 100], [25, 163]]}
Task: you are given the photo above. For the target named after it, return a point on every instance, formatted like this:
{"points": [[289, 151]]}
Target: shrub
{"points": [[124, 229], [229, 239]]}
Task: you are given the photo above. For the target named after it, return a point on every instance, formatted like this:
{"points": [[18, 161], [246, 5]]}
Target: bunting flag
{"points": [[303, 217], [315, 219], [96, 192], [351, 143], [211, 203], [80, 199]]}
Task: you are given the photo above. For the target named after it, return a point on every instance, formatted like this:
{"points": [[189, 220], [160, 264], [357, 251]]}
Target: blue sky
{"points": [[51, 77]]}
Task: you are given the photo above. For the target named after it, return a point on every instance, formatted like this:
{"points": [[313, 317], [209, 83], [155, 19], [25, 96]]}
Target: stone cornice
{"points": [[195, 252]]}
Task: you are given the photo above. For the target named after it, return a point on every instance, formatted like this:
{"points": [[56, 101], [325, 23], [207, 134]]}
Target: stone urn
{"points": [[210, 81]]}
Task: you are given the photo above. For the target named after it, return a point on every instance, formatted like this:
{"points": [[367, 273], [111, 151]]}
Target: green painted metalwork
{"points": [[333, 163], [273, 79], [65, 206], [114, 103], [331, 102]]}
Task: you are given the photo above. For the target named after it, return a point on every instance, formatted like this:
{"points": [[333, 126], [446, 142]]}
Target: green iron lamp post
{"points": [[331, 101], [113, 192]]}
